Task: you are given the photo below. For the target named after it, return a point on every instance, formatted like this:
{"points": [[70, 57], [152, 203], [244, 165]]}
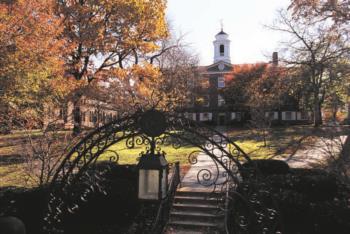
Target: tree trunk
{"points": [[334, 114], [77, 128], [76, 120], [7, 120], [317, 113]]}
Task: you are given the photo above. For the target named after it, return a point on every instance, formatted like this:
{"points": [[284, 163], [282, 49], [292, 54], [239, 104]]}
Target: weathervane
{"points": [[222, 24]]}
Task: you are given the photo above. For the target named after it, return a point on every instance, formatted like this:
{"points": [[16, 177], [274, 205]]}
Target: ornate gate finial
{"points": [[153, 123]]}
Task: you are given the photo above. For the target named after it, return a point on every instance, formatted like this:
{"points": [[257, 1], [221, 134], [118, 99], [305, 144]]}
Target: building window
{"points": [[83, 117], [221, 100], [304, 115], [222, 50], [221, 82], [288, 115], [271, 115], [205, 116], [236, 116], [233, 115], [192, 116]]}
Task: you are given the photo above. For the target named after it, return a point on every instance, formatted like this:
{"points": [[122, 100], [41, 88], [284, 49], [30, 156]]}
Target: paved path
{"points": [[316, 154], [205, 170], [208, 173]]}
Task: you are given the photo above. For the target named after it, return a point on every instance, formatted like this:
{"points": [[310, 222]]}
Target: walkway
{"points": [[208, 172], [197, 204], [317, 154]]}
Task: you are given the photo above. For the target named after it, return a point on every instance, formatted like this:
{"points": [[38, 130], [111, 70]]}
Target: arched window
{"points": [[222, 50]]}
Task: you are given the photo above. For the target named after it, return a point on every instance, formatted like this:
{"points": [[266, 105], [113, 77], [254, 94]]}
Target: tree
{"points": [[337, 10], [236, 91], [314, 48], [112, 39], [30, 60], [261, 87], [178, 66], [267, 94], [116, 33]]}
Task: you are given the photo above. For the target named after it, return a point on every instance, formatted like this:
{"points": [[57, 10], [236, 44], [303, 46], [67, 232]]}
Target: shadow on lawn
{"points": [[11, 159], [287, 141]]}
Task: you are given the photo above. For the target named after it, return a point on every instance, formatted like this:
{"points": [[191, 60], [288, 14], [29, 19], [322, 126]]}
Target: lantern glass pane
{"points": [[164, 183], [148, 184]]}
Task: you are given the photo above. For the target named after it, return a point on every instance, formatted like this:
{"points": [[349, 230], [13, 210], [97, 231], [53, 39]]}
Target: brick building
{"points": [[208, 105]]}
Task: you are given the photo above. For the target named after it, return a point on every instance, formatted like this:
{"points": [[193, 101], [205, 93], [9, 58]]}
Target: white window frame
{"points": [[303, 115], [273, 115], [221, 82], [292, 115], [206, 116], [233, 115], [221, 100], [236, 116]]}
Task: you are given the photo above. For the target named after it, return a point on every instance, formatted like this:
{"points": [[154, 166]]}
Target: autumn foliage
{"points": [[53, 50], [31, 52]]}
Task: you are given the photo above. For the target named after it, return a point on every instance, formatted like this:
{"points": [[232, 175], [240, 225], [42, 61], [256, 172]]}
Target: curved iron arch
{"points": [[179, 130]]}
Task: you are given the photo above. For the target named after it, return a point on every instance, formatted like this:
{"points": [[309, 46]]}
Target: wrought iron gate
{"points": [[249, 204]]}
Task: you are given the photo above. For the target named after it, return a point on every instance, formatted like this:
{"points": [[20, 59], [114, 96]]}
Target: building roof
{"points": [[222, 33]]}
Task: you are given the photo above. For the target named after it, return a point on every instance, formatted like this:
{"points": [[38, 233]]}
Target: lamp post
{"points": [[153, 177], [152, 167]]}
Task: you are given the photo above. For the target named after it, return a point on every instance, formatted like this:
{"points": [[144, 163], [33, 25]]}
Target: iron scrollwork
{"points": [[154, 129]]}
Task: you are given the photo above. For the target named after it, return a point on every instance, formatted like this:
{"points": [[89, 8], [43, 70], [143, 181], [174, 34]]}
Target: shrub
{"points": [[102, 213], [264, 167], [309, 201]]}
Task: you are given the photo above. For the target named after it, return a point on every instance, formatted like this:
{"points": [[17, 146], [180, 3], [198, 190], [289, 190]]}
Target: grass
{"points": [[21, 134], [256, 149], [12, 176], [130, 156], [281, 141]]}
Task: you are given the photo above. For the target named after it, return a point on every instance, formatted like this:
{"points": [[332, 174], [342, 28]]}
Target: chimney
{"points": [[275, 58]]}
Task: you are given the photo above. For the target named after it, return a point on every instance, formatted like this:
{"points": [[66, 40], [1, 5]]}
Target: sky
{"points": [[243, 20]]}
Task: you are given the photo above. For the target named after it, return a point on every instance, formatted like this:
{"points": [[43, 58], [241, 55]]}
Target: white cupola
{"points": [[222, 47]]}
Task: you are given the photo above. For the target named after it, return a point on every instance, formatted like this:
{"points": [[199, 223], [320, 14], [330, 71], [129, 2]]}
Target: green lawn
{"points": [[13, 174], [21, 134], [130, 156], [256, 149], [281, 142]]}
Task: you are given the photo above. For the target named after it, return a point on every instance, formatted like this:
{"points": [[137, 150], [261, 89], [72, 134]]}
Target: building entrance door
{"points": [[221, 119]]}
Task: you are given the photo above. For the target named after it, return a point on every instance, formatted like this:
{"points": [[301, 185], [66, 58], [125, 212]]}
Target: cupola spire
{"points": [[222, 46]]}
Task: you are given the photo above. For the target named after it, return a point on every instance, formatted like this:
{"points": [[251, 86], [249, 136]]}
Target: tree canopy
{"points": [[61, 48]]}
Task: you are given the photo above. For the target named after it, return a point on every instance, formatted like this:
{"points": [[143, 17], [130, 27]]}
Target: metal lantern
{"points": [[153, 177]]}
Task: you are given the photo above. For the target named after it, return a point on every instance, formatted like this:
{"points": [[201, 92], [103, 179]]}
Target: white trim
{"points": [[221, 100], [221, 80], [299, 115], [274, 117], [233, 115], [292, 115], [206, 116]]}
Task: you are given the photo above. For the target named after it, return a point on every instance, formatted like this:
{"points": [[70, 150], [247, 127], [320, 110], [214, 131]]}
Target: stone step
{"points": [[193, 224], [187, 213], [198, 193], [197, 199], [177, 230], [195, 207], [196, 216]]}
